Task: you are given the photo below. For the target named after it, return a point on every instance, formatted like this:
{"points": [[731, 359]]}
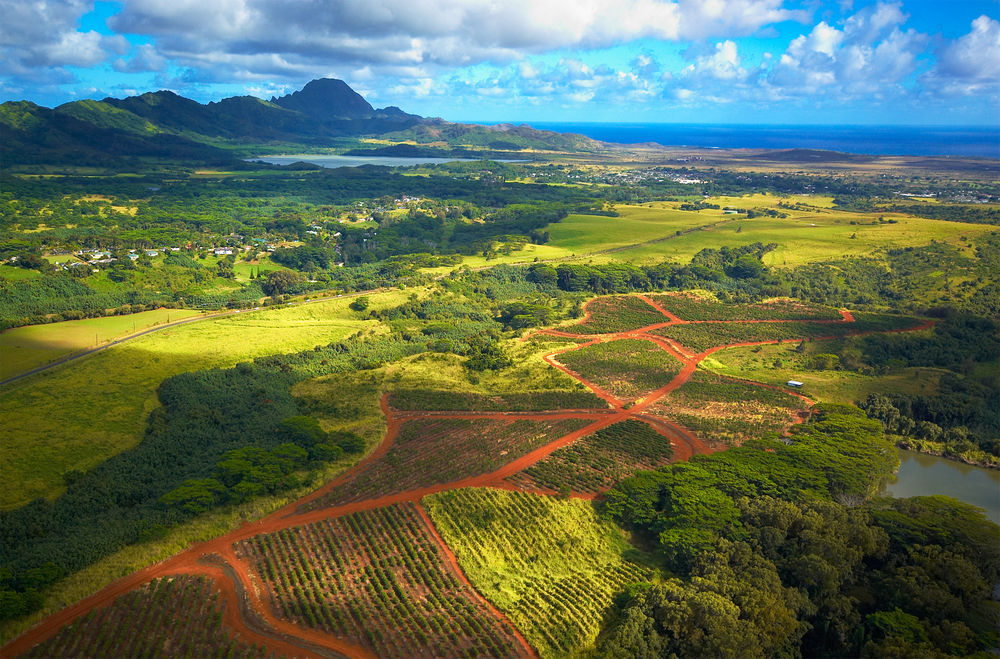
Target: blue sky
{"points": [[689, 61]]}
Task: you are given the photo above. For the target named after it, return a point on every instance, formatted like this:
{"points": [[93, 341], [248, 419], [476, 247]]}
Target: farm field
{"points": [[690, 307], [377, 580], [627, 368], [619, 313], [826, 386], [700, 337], [49, 418], [726, 412], [798, 241], [24, 348], [179, 616], [430, 400], [584, 234], [553, 566], [596, 462], [430, 451]]}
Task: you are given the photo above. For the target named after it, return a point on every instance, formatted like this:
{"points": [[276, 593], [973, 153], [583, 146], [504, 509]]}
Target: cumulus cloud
{"points": [[969, 64], [43, 34], [425, 35], [871, 54]]}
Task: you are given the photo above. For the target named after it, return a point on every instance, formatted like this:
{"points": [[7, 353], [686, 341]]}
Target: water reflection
{"points": [[920, 474]]}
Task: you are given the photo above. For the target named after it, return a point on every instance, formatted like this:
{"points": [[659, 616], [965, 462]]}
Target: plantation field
{"points": [[702, 336], [596, 462], [829, 386], [726, 412], [553, 566], [692, 307], [376, 579], [798, 241], [430, 451], [628, 368], [170, 617], [81, 413], [619, 313], [24, 348], [584, 234], [430, 400]]}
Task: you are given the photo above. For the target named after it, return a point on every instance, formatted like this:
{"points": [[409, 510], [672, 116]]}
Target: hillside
{"points": [[325, 114]]}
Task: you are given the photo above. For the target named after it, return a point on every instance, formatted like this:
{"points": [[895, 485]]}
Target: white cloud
{"points": [[969, 64]]}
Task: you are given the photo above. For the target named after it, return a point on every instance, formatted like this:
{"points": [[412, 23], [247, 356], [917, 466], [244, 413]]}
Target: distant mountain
{"points": [[321, 114], [327, 99]]}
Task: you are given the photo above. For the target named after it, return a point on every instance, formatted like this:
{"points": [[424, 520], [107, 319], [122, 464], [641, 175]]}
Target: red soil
{"points": [[685, 445]]}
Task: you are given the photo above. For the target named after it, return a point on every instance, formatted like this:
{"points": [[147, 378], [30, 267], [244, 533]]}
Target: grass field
{"points": [[14, 274], [24, 348], [798, 242], [553, 566], [77, 415], [821, 386], [583, 234]]}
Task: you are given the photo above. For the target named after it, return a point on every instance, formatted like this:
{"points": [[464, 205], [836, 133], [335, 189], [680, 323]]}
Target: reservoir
{"points": [[920, 475]]}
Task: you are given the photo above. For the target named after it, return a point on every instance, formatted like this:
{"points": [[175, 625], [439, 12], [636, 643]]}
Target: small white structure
{"points": [[223, 251], [794, 383]]}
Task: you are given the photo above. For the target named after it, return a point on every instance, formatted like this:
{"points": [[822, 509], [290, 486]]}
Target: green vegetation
{"points": [[596, 462], [702, 336], [628, 368], [688, 307], [431, 451], [378, 580], [25, 348], [551, 565], [171, 617], [724, 411], [618, 314], [747, 530], [424, 399]]}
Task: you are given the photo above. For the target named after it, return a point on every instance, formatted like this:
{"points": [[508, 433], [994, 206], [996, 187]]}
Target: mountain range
{"points": [[324, 114]]}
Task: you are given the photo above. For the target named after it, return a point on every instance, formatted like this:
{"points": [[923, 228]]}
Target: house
{"points": [[133, 257], [794, 383], [151, 253], [223, 251]]}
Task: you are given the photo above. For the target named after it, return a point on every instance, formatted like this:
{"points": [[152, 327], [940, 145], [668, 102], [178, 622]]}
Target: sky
{"points": [[930, 62]]}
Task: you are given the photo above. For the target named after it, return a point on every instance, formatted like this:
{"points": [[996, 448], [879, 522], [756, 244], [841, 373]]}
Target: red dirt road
{"points": [[282, 636]]}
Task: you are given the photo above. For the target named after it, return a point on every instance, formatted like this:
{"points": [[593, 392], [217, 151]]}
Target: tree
{"points": [[224, 269], [360, 303], [280, 281]]}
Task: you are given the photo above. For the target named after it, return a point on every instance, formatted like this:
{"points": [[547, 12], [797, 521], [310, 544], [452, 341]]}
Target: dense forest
{"points": [[778, 549]]}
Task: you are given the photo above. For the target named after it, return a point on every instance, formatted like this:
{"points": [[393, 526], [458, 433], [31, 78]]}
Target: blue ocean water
{"points": [[872, 140]]}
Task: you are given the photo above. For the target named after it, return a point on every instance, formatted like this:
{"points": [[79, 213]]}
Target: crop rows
{"points": [[376, 579], [539, 401], [430, 451], [689, 307], [618, 314], [552, 565], [596, 462], [169, 617], [723, 411], [628, 368]]}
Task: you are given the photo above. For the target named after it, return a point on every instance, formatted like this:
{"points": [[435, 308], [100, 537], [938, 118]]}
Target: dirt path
{"points": [[251, 618]]}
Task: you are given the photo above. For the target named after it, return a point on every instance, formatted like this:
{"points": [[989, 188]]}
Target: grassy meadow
{"points": [[24, 348], [806, 236], [79, 414], [758, 363]]}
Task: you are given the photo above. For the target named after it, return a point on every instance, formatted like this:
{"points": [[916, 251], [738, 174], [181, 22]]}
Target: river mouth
{"points": [[921, 475]]}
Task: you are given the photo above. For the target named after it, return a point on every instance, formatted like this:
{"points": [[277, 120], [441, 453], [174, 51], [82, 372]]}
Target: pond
{"points": [[920, 474]]}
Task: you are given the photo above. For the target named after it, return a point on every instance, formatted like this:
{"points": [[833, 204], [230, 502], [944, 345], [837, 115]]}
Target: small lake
{"points": [[920, 475], [331, 162]]}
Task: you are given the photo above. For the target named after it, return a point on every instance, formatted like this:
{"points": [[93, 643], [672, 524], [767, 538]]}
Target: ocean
{"points": [[981, 141]]}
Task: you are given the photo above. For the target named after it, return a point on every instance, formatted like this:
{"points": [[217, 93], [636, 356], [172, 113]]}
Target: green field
{"points": [[553, 566], [583, 234], [798, 242], [13, 274], [821, 386], [24, 348], [49, 419]]}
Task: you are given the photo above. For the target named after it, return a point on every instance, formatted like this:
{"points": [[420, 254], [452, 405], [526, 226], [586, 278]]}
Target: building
{"points": [[794, 383]]}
